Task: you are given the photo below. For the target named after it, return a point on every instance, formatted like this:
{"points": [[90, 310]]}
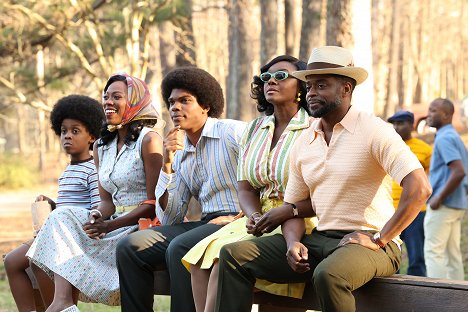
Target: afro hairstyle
{"points": [[202, 85], [257, 85], [79, 107]]}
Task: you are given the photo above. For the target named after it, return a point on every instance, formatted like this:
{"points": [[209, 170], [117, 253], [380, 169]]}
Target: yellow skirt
{"points": [[206, 252]]}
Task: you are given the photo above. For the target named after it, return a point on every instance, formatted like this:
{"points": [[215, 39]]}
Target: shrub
{"points": [[17, 172]]}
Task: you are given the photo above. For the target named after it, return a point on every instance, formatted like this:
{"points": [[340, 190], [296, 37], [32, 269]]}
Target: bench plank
{"points": [[389, 294], [382, 294]]}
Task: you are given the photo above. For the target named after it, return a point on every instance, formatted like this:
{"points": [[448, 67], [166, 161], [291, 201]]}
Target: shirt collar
{"points": [[349, 123], [268, 121], [445, 128], [299, 121], [209, 131]]}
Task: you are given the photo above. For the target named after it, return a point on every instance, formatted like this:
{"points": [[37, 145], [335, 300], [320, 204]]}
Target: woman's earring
{"points": [[298, 96]]}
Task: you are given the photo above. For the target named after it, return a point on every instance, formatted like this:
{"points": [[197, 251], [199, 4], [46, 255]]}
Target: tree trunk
{"points": [[392, 93], [381, 30], [410, 52], [339, 23], [166, 47], [462, 59], [361, 46], [289, 26], [424, 67], [400, 81], [310, 29], [240, 59], [184, 38], [21, 116], [269, 30], [42, 140]]}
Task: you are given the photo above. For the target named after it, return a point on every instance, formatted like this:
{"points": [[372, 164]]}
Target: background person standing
{"points": [[413, 235], [448, 202]]}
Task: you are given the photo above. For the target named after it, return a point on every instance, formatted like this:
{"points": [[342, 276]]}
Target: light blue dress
{"points": [[63, 247]]}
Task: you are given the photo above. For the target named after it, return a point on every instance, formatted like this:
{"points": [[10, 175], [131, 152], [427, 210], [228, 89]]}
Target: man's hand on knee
{"points": [[361, 238]]}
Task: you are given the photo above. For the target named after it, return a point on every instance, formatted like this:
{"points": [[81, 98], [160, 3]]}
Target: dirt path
{"points": [[15, 216]]}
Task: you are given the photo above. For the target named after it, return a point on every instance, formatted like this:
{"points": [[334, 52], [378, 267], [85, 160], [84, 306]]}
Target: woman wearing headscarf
{"points": [[76, 248]]}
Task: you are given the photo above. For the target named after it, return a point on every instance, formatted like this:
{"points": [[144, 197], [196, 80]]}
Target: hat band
{"points": [[322, 65]]}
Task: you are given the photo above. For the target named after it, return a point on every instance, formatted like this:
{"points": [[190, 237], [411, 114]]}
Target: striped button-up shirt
{"points": [[206, 171]]}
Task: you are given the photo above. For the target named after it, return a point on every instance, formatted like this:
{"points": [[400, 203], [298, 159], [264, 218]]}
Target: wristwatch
{"points": [[376, 239], [294, 210]]}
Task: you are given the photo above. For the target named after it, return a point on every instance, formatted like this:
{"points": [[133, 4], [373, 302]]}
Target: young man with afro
{"points": [[200, 161]]}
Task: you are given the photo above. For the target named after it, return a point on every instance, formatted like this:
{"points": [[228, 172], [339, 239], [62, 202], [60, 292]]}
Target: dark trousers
{"points": [[413, 236], [143, 252], [335, 271]]}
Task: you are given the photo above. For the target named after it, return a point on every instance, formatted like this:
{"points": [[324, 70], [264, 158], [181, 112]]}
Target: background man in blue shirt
{"points": [[448, 202]]}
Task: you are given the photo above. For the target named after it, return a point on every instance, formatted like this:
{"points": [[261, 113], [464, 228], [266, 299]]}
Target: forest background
{"points": [[414, 51]]}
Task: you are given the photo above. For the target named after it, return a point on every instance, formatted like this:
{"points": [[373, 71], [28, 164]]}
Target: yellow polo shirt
{"points": [[423, 152], [347, 180]]}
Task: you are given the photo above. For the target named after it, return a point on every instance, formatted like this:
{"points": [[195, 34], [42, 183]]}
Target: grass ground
{"points": [[7, 304]]}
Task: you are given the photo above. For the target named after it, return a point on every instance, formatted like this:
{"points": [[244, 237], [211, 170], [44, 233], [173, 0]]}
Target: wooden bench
{"points": [[397, 293]]}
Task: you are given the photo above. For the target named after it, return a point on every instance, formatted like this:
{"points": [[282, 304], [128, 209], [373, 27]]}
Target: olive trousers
{"points": [[335, 271]]}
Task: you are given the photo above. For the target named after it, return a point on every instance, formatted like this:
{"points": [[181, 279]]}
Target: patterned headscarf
{"points": [[138, 102]]}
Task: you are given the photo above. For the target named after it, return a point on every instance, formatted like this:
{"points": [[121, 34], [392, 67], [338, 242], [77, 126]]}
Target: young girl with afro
{"points": [[77, 120]]}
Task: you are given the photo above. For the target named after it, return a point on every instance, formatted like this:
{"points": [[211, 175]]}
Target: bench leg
{"points": [[271, 308]]}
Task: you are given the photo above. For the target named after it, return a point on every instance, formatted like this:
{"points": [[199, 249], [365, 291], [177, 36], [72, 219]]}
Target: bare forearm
{"points": [[167, 168], [416, 190], [453, 182], [107, 208], [249, 198], [293, 230], [249, 203], [304, 208]]}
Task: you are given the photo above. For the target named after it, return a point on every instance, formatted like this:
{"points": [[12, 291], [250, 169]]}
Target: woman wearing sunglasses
{"points": [[262, 176]]}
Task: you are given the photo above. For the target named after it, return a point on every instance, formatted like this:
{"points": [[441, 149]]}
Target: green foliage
{"points": [[58, 84], [173, 10], [17, 172]]}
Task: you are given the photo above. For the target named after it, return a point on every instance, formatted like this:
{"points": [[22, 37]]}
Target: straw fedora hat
{"points": [[332, 60]]}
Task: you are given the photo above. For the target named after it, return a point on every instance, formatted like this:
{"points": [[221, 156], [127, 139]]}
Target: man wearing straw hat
{"points": [[341, 163]]}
